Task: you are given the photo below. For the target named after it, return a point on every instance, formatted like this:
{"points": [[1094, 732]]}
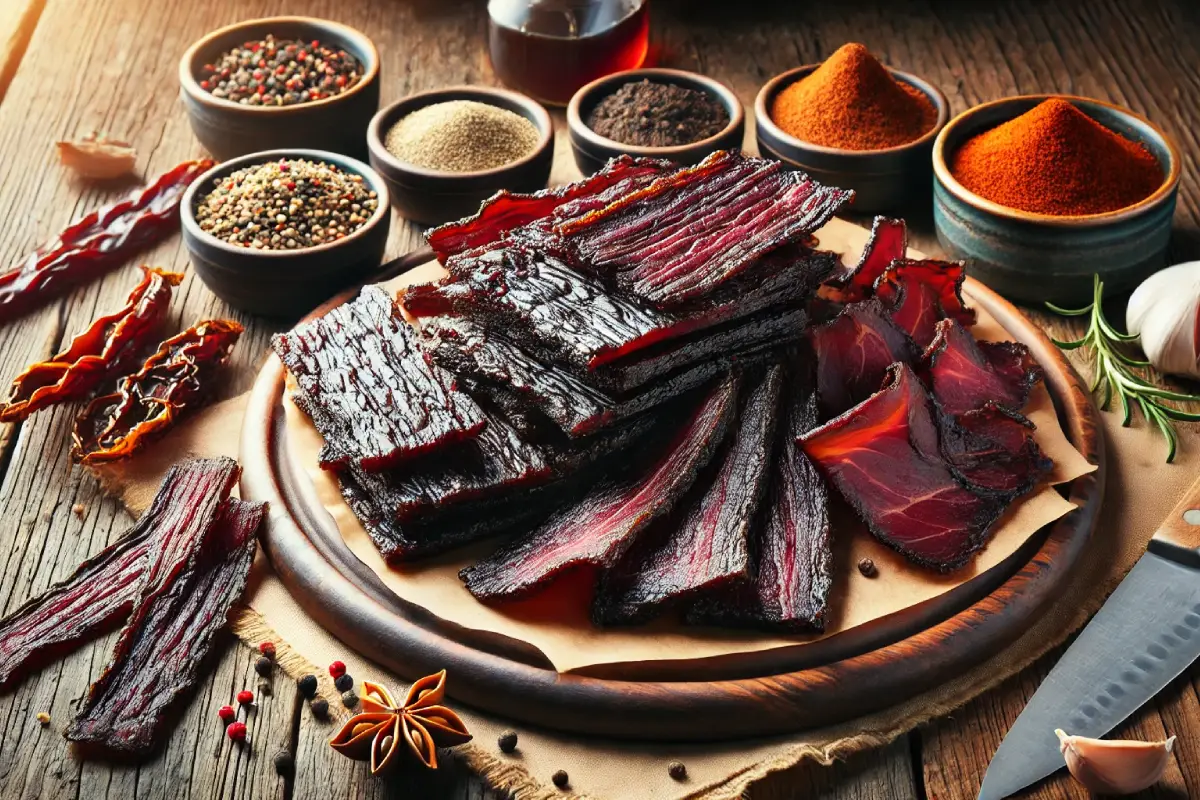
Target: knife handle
{"points": [[1178, 538]]}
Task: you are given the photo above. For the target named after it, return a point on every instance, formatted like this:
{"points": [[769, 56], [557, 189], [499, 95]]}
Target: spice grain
{"points": [[319, 707], [344, 683], [461, 136], [308, 686], [507, 741], [648, 114], [280, 72], [263, 666]]}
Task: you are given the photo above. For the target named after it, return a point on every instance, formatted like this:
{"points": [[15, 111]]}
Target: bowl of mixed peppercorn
{"points": [[653, 113], [281, 82], [277, 233]]}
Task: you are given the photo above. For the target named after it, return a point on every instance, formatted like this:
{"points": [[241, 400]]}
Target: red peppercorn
{"points": [[340, 80], [227, 714], [315, 44], [301, 55], [203, 84], [236, 731], [267, 649], [245, 697], [337, 669]]}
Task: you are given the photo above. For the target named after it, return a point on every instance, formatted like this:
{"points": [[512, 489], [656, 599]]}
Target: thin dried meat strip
{"points": [[888, 242], [686, 234], [172, 632], [709, 546], [103, 589], [383, 403], [102, 350], [919, 294], [884, 458], [506, 211], [965, 374], [98, 242], [993, 450], [602, 526], [174, 381], [853, 352]]}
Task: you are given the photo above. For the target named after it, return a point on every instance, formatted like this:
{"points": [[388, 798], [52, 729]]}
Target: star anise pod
{"points": [[418, 726]]}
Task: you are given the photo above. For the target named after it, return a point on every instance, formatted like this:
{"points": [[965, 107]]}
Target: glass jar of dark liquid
{"points": [[549, 48]]}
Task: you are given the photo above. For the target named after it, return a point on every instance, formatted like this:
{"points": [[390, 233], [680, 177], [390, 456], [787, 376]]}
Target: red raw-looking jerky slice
{"points": [[609, 520], [993, 450], [103, 589], [965, 374], [102, 350], [888, 242], [883, 457], [708, 547], [853, 352], [172, 632], [919, 294]]}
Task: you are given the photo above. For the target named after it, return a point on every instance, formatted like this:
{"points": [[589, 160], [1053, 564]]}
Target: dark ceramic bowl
{"points": [[228, 129], [592, 150], [284, 283], [1038, 257], [890, 179], [431, 196]]}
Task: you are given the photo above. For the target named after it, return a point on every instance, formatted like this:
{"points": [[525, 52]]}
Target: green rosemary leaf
{"points": [[1069, 345], [1069, 312]]}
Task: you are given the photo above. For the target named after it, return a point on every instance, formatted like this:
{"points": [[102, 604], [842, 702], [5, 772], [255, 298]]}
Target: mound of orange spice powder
{"points": [[853, 103], [1055, 159]]}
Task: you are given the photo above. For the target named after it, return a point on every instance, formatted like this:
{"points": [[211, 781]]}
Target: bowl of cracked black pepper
{"points": [[653, 113], [279, 232], [444, 152], [279, 83]]}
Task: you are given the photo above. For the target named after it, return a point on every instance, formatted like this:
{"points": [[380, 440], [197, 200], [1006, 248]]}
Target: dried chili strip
{"points": [[103, 589], [172, 631], [102, 350], [99, 241], [172, 382]]}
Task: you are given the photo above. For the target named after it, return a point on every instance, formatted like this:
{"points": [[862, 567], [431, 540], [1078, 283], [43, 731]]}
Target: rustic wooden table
{"points": [[71, 66]]}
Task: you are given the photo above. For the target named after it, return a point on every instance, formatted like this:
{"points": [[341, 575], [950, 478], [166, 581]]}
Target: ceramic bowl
{"points": [[1038, 257], [284, 283], [890, 179], [592, 150], [228, 129], [432, 196]]}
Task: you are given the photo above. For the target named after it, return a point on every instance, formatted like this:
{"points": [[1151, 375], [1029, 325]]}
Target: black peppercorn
{"points": [[320, 708], [263, 666], [284, 763], [677, 770], [561, 779], [867, 567], [349, 699], [344, 683], [308, 686], [507, 741]]}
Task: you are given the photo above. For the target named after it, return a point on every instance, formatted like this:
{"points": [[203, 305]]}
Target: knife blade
{"points": [[1144, 636]]}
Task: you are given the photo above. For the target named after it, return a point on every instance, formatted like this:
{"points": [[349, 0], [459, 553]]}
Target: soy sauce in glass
{"points": [[550, 48]]}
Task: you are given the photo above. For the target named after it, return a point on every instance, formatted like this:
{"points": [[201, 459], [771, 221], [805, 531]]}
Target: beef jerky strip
{"points": [[964, 373], [98, 242], [102, 590], [708, 547], [174, 381], [686, 234], [888, 242], [383, 403], [918, 294], [170, 635], [610, 518], [102, 350]]}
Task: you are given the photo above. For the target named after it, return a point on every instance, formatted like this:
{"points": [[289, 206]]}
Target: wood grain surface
{"points": [[110, 66]]}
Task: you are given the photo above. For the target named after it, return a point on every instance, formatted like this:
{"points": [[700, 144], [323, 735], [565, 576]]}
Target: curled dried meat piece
{"points": [[171, 633], [992, 449], [104, 349], [382, 403], [919, 294], [610, 518], [888, 242], [965, 374], [172, 382], [103, 589], [883, 456], [853, 352], [98, 242]]}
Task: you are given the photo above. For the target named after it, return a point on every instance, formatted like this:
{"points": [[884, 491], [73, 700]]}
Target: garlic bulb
{"points": [[97, 158], [1165, 311], [1107, 766]]}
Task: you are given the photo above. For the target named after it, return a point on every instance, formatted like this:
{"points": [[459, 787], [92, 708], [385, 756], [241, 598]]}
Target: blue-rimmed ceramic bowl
{"points": [[1038, 257]]}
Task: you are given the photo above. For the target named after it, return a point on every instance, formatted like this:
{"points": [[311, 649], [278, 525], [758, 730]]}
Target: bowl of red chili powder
{"points": [[853, 122], [1041, 192]]}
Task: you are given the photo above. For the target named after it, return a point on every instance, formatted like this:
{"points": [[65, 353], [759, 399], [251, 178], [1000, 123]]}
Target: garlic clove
{"points": [[1109, 766], [97, 158], [1165, 312]]}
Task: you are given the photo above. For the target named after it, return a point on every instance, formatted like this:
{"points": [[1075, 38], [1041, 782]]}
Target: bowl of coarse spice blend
{"points": [[1040, 193], [853, 122], [277, 233], [444, 152], [653, 113], [281, 82]]}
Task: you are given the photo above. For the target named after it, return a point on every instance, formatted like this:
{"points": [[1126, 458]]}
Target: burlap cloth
{"points": [[1141, 490]]}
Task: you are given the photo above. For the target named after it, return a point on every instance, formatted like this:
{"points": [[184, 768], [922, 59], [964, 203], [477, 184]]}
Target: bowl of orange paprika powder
{"points": [[1040, 192]]}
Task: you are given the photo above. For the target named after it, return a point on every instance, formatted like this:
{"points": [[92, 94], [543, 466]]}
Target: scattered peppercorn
{"points": [[320, 708], [43, 718], [677, 770], [507, 741], [344, 683], [284, 763], [649, 114], [867, 567], [561, 779], [79, 509], [245, 697], [349, 699], [462, 136], [267, 649], [227, 714], [337, 669], [236, 731], [263, 666], [280, 72], [308, 686]]}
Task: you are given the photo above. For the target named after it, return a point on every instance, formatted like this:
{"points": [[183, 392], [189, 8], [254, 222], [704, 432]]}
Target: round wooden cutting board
{"points": [[769, 692]]}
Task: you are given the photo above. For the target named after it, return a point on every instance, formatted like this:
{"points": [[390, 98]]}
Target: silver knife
{"points": [[1145, 635]]}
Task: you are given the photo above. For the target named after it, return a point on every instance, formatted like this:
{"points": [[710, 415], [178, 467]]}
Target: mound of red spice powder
{"points": [[1055, 159], [852, 102]]}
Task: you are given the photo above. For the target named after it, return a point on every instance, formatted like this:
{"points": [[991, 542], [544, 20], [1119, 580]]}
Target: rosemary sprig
{"points": [[1115, 374]]}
